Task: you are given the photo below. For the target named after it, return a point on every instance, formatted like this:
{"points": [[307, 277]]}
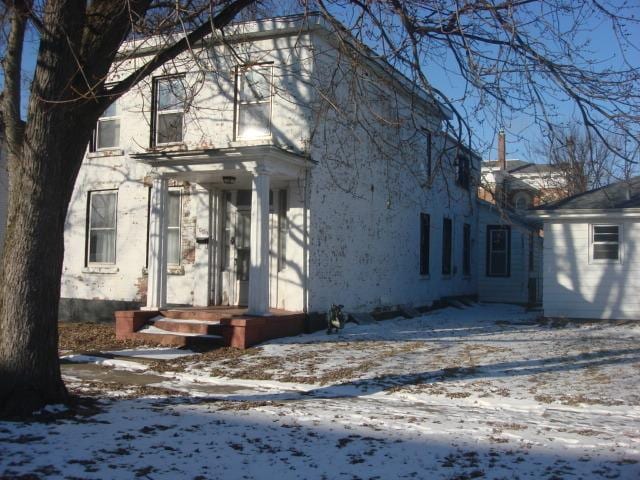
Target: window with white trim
{"points": [[101, 227], [107, 132], [174, 216], [605, 242], [168, 110], [253, 116]]}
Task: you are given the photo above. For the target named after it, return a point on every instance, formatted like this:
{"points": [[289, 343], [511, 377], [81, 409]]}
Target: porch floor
{"points": [[208, 326]]}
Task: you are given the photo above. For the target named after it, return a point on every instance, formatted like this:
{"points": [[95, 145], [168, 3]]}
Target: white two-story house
{"points": [[283, 167]]}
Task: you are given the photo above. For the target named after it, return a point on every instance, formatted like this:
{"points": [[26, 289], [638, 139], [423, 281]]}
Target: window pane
{"points": [[243, 230], [424, 243], [255, 85], [498, 240], [607, 233], [108, 133], [605, 251], [446, 246], [466, 249], [102, 246], [103, 210], [173, 246], [173, 215], [498, 263], [253, 120], [170, 127], [171, 94]]}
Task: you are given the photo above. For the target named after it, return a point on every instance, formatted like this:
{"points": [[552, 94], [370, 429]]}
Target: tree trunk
{"points": [[39, 194]]}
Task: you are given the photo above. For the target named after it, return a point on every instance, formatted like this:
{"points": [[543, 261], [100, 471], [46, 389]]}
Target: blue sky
{"points": [[523, 137]]}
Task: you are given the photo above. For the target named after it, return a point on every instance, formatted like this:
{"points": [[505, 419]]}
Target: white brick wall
{"points": [[364, 197]]}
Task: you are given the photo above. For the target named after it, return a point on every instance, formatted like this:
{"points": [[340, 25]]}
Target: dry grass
{"points": [[88, 337]]}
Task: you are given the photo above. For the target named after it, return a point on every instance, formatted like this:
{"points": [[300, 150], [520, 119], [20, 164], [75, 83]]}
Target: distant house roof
{"points": [[522, 166], [625, 194], [511, 164]]}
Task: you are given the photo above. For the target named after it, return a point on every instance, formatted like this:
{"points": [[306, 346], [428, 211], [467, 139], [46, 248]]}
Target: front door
{"points": [[236, 253], [243, 254]]}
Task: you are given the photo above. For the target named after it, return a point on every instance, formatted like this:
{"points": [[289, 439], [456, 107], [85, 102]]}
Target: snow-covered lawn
{"points": [[484, 392]]}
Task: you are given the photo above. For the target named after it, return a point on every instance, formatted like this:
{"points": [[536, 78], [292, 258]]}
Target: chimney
{"points": [[502, 154]]}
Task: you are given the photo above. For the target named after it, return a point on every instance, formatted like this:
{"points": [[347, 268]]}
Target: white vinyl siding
{"points": [[576, 286]]}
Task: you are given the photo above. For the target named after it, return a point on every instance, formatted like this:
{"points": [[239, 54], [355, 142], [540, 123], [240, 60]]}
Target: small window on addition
{"points": [[605, 243]]}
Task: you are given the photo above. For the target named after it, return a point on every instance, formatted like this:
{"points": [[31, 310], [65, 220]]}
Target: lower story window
{"points": [[605, 242], [498, 251], [466, 249], [447, 237], [173, 227], [101, 231]]}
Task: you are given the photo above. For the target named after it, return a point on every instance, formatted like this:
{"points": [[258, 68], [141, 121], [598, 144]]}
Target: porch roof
{"points": [[273, 158]]}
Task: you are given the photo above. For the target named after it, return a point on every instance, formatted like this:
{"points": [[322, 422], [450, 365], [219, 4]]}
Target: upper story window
{"points": [[253, 116], [101, 227], [107, 132], [605, 242], [464, 172], [498, 251], [168, 110]]}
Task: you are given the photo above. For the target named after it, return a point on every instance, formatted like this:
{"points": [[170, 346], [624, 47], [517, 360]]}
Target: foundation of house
{"points": [[211, 326]]}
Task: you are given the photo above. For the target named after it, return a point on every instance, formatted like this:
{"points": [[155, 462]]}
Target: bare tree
{"points": [[511, 56], [580, 162]]}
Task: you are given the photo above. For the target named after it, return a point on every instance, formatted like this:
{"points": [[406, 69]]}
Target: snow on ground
{"points": [[484, 392]]}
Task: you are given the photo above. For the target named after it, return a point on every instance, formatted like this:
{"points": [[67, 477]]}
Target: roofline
{"points": [[299, 23], [571, 213], [514, 216]]}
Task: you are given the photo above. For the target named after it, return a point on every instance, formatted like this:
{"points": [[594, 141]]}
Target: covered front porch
{"points": [[242, 272]]}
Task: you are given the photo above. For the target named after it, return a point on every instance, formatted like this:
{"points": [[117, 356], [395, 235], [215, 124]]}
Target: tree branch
{"points": [[221, 20]]}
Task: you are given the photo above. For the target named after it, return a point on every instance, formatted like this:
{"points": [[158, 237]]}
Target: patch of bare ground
{"points": [[86, 337], [99, 390], [576, 400]]}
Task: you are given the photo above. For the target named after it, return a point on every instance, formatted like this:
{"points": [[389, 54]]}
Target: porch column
{"points": [[259, 269], [157, 270]]}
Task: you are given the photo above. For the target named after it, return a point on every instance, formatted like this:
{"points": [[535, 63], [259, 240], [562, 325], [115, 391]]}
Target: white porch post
{"points": [[259, 270], [157, 271]]}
